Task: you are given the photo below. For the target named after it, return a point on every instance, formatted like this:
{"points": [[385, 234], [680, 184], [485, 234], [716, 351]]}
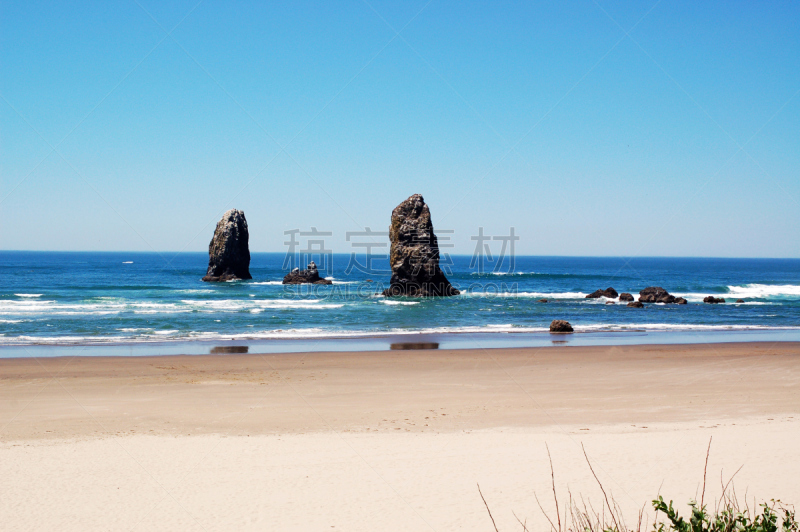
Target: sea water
{"points": [[158, 298]]}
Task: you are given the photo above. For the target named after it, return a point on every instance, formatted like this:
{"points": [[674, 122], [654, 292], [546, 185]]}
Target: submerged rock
{"points": [[655, 294], [229, 251], [636, 304], [542, 301], [625, 296], [560, 326], [608, 292], [308, 276], [414, 253], [680, 301], [713, 300], [740, 300]]}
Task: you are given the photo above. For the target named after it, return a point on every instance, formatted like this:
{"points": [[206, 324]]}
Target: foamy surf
{"points": [[541, 295], [758, 291]]}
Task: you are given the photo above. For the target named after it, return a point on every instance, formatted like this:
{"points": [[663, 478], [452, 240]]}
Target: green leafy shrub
{"points": [[728, 517]]}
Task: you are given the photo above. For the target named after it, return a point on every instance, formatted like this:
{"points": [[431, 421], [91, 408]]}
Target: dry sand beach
{"points": [[393, 440]]}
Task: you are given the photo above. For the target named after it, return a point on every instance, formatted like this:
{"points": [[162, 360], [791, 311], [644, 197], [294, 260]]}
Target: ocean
{"points": [[125, 299]]}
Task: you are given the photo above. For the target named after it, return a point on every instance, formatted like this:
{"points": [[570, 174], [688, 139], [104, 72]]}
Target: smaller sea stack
{"points": [[308, 276], [713, 300], [229, 251]]}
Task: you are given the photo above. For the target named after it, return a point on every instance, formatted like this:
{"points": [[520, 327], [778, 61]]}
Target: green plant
{"points": [[726, 518], [728, 514]]}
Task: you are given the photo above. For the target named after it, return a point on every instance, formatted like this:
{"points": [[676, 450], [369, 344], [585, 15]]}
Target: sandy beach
{"points": [[392, 440]]}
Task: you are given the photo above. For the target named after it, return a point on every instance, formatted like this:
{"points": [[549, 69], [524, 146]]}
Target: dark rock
{"points": [[625, 296], [414, 254], [542, 301], [401, 346], [560, 326], [636, 304], [608, 292], [713, 300], [655, 294], [611, 302], [308, 276], [680, 301], [229, 349], [229, 251], [740, 300]]}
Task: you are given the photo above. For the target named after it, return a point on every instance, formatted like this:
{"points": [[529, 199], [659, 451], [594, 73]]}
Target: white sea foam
{"points": [[37, 307], [541, 295], [269, 282], [28, 295], [765, 291], [394, 302], [196, 291], [174, 311], [316, 332], [750, 291], [128, 262], [248, 304]]}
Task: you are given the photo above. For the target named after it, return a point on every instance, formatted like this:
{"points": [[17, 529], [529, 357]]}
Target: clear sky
{"points": [[592, 128]]}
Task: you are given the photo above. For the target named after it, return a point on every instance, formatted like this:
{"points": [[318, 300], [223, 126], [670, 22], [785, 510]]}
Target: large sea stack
{"points": [[229, 251], [414, 254]]}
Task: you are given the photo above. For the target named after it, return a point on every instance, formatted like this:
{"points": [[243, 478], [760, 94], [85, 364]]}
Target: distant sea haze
{"points": [[112, 298]]}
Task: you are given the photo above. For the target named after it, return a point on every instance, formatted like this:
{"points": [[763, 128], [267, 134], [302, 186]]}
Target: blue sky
{"points": [[593, 128]]}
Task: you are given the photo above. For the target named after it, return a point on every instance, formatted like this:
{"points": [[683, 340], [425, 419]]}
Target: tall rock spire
{"points": [[414, 254], [229, 251]]}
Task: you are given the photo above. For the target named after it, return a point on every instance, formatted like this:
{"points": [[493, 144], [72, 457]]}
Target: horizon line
{"points": [[710, 257]]}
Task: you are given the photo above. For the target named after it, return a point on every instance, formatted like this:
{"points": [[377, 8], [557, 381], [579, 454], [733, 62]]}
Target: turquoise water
{"points": [[123, 298]]}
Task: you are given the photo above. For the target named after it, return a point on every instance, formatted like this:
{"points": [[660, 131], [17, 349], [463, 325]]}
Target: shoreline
{"points": [[401, 341]]}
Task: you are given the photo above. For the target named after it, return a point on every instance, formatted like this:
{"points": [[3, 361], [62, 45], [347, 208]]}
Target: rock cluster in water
{"points": [[609, 292], [713, 300], [229, 251], [308, 276], [651, 294], [655, 294], [560, 326], [414, 253]]}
